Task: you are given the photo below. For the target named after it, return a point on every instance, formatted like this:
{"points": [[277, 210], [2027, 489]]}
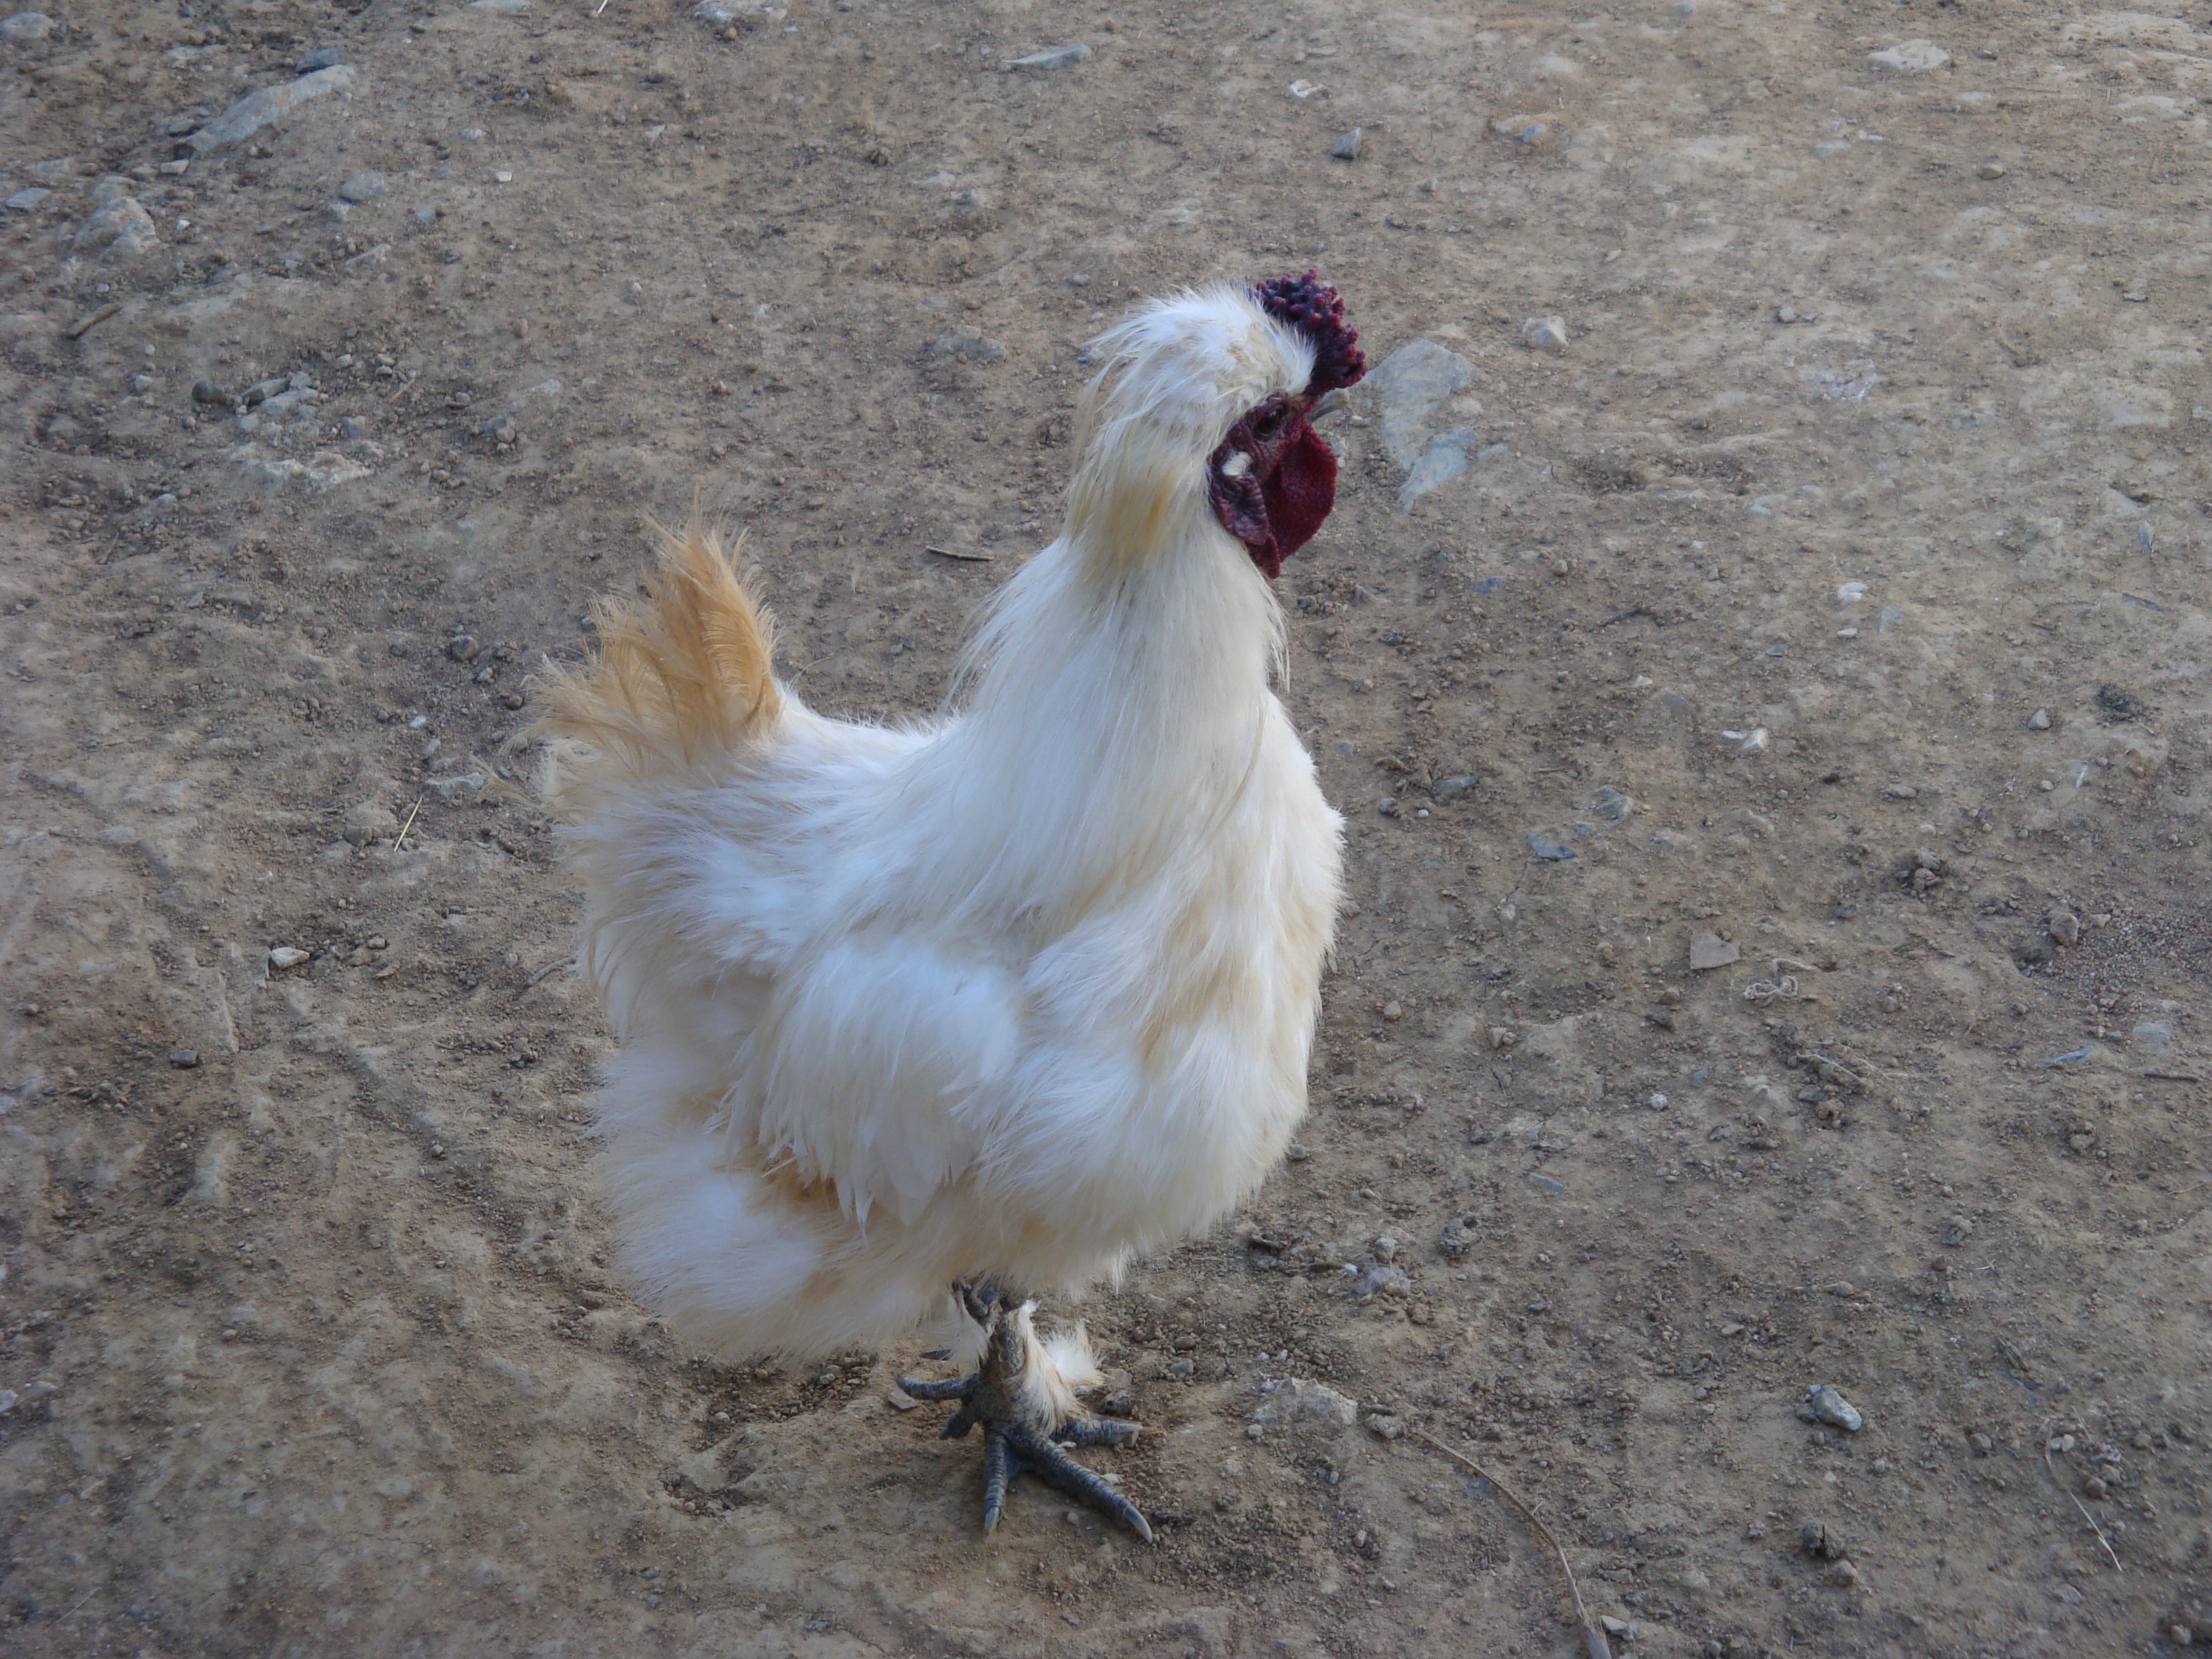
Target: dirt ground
{"points": [[1835, 590]]}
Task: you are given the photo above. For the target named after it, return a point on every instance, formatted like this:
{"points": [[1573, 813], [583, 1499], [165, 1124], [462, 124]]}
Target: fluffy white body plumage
{"points": [[1017, 995]]}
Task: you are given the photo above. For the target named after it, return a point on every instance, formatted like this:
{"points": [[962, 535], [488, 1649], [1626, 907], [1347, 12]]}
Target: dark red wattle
{"points": [[1299, 494]]}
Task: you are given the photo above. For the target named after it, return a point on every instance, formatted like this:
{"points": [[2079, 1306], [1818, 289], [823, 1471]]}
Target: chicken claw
{"points": [[1026, 1407]]}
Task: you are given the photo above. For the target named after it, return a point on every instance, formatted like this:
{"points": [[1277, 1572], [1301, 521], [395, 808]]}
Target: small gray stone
{"points": [[353, 427], [1346, 147], [1544, 847], [1455, 1240], [1298, 1399], [183, 1060], [2154, 1036], [2064, 926], [25, 28], [26, 199], [1545, 334], [362, 187], [287, 955], [1911, 57], [1708, 951], [969, 348], [1544, 1183], [1385, 1426], [1052, 57], [121, 229], [321, 57], [1409, 385], [454, 785], [2040, 720], [462, 647], [1454, 788], [257, 110], [1612, 805], [426, 215], [1823, 1403]]}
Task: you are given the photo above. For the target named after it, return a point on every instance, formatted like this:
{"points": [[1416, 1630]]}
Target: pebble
{"points": [[1385, 1426], [25, 28], [969, 348], [900, 1400], [2153, 1036], [462, 648], [1816, 1540], [27, 198], [426, 215], [119, 229], [2040, 720], [1052, 57], [1911, 57], [1708, 951], [1545, 334], [1408, 386], [1521, 129], [1823, 1403], [1454, 788], [257, 110], [1455, 1240], [1618, 1629], [183, 1059], [1544, 847], [1991, 170], [321, 57], [1612, 805], [2064, 926], [1346, 147], [362, 187], [1296, 1399], [287, 955], [1544, 1183]]}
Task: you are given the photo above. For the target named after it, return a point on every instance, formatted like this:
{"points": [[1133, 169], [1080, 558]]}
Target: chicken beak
{"points": [[1334, 401]]}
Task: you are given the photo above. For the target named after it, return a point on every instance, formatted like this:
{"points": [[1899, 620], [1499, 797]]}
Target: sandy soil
{"points": [[309, 1344]]}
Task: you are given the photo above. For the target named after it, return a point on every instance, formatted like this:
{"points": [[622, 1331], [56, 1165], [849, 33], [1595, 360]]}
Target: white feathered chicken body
{"points": [[1014, 996]]}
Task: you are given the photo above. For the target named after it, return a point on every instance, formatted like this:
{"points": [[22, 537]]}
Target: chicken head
{"points": [[1272, 481]]}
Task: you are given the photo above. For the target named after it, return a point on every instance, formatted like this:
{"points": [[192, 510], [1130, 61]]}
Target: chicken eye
{"points": [[1270, 421]]}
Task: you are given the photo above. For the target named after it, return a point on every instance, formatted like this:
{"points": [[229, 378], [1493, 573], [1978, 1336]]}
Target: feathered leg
{"points": [[1026, 1421]]}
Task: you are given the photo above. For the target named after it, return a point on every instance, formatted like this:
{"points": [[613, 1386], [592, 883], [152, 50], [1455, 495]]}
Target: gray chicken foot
{"points": [[1018, 1435]]}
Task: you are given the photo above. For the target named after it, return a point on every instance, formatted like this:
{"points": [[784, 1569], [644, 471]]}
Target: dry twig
{"points": [[400, 840], [1594, 1642], [2050, 1468]]}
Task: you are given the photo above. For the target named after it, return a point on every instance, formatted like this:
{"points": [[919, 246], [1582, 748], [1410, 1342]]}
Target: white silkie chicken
{"points": [[1000, 1002]]}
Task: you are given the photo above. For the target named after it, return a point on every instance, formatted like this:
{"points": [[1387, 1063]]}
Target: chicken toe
{"points": [[1022, 1397]]}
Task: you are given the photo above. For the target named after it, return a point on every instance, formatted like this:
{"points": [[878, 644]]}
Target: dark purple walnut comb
{"points": [[1307, 303]]}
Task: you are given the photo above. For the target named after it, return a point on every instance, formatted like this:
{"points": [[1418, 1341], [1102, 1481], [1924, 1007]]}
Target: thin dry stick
{"points": [[401, 841], [1594, 1642], [2049, 1424]]}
